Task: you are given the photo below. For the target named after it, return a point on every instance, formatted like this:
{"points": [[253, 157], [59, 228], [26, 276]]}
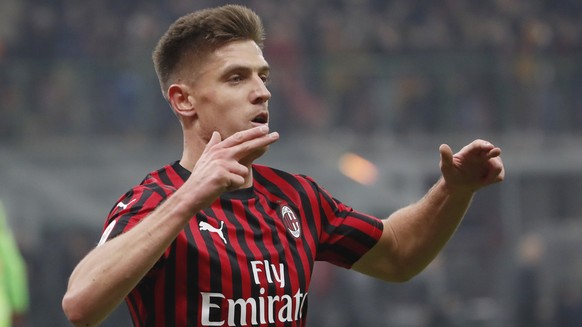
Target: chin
{"points": [[254, 155], [259, 152]]}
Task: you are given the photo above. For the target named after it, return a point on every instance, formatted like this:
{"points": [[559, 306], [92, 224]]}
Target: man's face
{"points": [[229, 90]]}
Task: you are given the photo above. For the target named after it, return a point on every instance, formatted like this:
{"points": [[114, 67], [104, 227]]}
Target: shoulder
{"points": [[273, 174], [277, 181], [166, 179], [155, 187]]}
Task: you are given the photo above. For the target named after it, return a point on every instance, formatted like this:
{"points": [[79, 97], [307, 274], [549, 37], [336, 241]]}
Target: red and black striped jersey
{"points": [[247, 259]]}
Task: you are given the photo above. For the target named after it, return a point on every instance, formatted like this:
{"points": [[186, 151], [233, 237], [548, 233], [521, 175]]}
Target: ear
{"points": [[181, 99]]}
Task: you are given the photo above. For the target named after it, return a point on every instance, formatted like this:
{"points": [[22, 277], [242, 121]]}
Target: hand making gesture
{"points": [[476, 165]]}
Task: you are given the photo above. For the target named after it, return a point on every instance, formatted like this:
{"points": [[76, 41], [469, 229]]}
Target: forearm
{"points": [[423, 228], [109, 272], [414, 235]]}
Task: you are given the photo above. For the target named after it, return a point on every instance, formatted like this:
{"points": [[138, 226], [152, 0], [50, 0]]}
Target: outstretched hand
{"points": [[476, 165]]}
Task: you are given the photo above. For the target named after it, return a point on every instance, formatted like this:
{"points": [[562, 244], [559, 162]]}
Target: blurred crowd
{"points": [[353, 66], [80, 70]]}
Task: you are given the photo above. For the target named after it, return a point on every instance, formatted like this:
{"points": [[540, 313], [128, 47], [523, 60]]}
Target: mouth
{"points": [[262, 118]]}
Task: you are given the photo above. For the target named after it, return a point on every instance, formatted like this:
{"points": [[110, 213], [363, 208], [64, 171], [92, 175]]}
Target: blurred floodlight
{"points": [[358, 168]]}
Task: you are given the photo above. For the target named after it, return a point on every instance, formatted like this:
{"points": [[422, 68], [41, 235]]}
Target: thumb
{"points": [[214, 139], [446, 155]]}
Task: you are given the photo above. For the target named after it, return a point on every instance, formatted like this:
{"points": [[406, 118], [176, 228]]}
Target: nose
{"points": [[260, 93]]}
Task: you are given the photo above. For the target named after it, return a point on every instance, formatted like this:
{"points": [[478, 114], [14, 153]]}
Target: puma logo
{"points": [[123, 206], [204, 226]]}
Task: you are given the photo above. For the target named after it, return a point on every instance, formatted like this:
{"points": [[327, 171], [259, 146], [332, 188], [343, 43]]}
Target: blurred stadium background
{"points": [[356, 82]]}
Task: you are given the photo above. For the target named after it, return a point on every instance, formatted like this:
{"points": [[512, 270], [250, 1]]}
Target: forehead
{"points": [[244, 53]]}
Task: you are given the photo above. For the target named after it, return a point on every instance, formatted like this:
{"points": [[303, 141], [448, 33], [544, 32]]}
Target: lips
{"points": [[261, 118]]}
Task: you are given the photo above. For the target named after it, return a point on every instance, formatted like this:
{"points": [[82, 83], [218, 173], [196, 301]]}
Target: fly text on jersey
{"points": [[265, 269]]}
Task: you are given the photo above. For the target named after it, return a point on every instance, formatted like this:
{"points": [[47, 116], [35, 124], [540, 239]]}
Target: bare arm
{"points": [[414, 235], [109, 272]]}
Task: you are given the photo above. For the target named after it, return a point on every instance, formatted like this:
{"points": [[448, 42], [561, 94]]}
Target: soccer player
{"points": [[214, 239]]}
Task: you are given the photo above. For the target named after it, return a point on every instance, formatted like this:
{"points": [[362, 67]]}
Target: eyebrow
{"points": [[236, 67]]}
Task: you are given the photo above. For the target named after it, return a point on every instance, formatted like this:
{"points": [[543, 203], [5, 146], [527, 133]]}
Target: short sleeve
{"points": [[346, 234], [130, 209]]}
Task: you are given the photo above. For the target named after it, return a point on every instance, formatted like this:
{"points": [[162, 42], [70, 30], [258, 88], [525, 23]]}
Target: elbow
{"points": [[394, 276], [405, 271], [402, 276], [391, 273], [400, 273], [74, 311]]}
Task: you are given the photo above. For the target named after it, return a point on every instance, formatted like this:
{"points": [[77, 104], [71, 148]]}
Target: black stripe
{"points": [[147, 296], [235, 269], [160, 189], [305, 206], [192, 268], [364, 238], [165, 178], [127, 195], [347, 256], [278, 244], [274, 189], [323, 219], [215, 262], [135, 316], [123, 220], [170, 287], [278, 192]]}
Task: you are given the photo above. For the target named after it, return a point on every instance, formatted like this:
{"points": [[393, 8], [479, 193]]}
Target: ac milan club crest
{"points": [[290, 221]]}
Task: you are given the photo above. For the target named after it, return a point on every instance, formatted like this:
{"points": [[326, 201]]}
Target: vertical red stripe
{"points": [[160, 291], [226, 269], [181, 297], [200, 279]]}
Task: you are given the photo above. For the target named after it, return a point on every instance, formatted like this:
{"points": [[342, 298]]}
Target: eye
{"points": [[235, 79], [265, 78]]}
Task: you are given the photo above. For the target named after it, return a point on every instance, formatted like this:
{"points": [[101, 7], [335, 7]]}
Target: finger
{"points": [[481, 148], [246, 135], [244, 149], [238, 169], [446, 155], [490, 149], [495, 152], [237, 179], [214, 139], [497, 171]]}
